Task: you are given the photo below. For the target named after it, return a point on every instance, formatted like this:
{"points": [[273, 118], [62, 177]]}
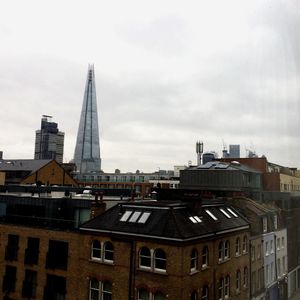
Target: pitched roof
{"points": [[31, 165], [175, 221]]}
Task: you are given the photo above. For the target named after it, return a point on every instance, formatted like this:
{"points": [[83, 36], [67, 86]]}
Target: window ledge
{"points": [[205, 267], [100, 261], [192, 272], [223, 261], [162, 272]]}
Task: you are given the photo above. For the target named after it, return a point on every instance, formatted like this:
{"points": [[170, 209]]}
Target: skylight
{"points": [[211, 215], [195, 219], [198, 219], [144, 217], [232, 212], [225, 213], [126, 215], [192, 219], [135, 216]]}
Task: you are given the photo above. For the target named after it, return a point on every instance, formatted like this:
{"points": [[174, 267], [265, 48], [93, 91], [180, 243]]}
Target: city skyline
{"points": [[167, 74]]}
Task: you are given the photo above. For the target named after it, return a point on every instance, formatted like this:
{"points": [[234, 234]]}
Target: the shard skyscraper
{"points": [[87, 150]]}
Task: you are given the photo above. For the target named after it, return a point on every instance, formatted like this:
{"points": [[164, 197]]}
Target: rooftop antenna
{"points": [[199, 151]]}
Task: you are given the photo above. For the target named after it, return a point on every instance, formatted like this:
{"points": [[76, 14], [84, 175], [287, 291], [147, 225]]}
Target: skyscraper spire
{"points": [[87, 150]]}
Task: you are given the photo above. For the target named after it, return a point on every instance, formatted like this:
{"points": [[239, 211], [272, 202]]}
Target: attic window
{"points": [[195, 219], [126, 215], [211, 215], [225, 213], [144, 217], [232, 212], [134, 216]]}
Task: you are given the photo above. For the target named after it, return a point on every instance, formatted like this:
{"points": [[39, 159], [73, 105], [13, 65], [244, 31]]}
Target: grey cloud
{"points": [[165, 35]]}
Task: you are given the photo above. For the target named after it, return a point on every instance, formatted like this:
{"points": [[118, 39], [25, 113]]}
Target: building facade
{"points": [[49, 141], [132, 251]]}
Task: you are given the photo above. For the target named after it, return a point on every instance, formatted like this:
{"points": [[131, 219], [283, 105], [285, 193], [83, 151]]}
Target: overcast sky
{"points": [[168, 73]]}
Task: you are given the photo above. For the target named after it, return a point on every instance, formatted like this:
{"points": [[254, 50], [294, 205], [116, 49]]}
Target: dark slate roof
{"points": [[31, 165], [168, 221], [217, 165]]}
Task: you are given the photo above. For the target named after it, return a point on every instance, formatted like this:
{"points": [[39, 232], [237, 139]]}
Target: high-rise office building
{"points": [[87, 150], [49, 141], [234, 151]]}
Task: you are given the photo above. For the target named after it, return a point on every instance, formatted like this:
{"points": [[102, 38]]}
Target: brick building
{"points": [[135, 250], [166, 250], [31, 171]]}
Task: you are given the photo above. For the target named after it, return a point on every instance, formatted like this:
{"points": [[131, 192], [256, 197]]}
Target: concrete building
{"points": [[223, 179], [234, 151], [87, 150], [49, 141], [275, 178]]}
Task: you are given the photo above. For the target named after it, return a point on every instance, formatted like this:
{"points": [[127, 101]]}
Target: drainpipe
{"points": [[132, 270]]}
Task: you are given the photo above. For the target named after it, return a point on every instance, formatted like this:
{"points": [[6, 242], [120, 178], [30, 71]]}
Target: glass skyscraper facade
{"points": [[49, 141], [87, 149]]}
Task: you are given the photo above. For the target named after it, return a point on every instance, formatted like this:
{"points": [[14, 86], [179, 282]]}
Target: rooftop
{"points": [[174, 221]]}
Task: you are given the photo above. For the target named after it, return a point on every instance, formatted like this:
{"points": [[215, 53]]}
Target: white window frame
{"points": [[147, 257], [267, 248], [194, 260], [100, 290], [151, 296], [103, 251], [221, 289], [205, 256], [159, 259], [204, 296], [245, 244], [221, 251], [153, 260], [227, 286], [93, 248], [226, 249]]}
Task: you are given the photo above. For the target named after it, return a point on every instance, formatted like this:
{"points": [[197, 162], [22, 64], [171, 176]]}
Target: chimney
{"points": [[98, 207]]}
